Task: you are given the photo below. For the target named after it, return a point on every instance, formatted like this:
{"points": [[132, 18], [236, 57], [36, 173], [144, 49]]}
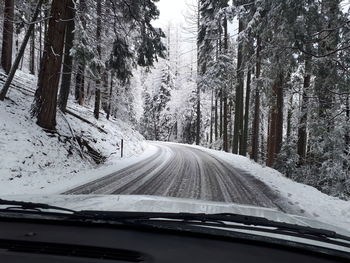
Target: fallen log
{"points": [[86, 121]]}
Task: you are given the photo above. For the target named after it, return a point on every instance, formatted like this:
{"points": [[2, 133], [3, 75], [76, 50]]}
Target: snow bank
{"points": [[33, 161], [306, 199]]}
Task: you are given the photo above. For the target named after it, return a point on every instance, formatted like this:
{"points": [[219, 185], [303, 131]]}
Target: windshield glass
{"points": [[187, 106]]}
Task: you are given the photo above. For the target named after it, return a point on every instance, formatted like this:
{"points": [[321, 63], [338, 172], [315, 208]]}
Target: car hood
{"points": [[145, 203]]}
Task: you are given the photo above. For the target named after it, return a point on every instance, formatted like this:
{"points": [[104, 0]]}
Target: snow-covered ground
{"points": [[311, 201], [33, 161]]}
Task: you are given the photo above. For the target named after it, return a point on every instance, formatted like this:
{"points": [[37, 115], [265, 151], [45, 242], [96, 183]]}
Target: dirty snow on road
{"points": [[195, 172]]}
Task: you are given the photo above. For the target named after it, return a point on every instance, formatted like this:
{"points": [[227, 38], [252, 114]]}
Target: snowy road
{"points": [[184, 172]]}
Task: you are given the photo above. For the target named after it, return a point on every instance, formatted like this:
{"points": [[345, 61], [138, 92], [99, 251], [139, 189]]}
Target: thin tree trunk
{"points": [[221, 112], [216, 116], [40, 42], [105, 92], [280, 102], [347, 135], [289, 118], [45, 103], [99, 52], [198, 121], [32, 54], [225, 124], [68, 59], [244, 143], [256, 120], [225, 91], [211, 117], [302, 133], [79, 91], [20, 53], [238, 126], [271, 138], [7, 36], [110, 96], [80, 84]]}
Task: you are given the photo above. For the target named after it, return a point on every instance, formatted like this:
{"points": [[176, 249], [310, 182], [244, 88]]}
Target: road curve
{"points": [[184, 172]]}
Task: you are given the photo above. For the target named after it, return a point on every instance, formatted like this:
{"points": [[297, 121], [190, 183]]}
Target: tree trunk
{"points": [[80, 76], [105, 92], [221, 113], [302, 133], [80, 84], [198, 121], [99, 52], [289, 118], [20, 52], [225, 91], [216, 116], [40, 42], [32, 54], [7, 36], [45, 103], [68, 59], [211, 117], [238, 126], [244, 143], [276, 122], [347, 134], [256, 120], [110, 96]]}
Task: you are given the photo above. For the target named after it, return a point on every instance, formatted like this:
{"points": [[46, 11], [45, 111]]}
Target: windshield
{"points": [[187, 106]]}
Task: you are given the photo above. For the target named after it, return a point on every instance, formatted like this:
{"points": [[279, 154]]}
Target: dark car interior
{"points": [[36, 241]]}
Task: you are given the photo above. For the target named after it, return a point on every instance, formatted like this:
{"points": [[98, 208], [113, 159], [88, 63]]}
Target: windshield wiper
{"points": [[38, 207], [217, 220]]}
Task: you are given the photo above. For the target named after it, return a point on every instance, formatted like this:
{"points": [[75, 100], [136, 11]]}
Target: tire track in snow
{"points": [[184, 172]]}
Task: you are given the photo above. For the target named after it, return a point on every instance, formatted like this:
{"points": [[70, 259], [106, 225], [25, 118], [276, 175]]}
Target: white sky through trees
{"points": [[171, 11]]}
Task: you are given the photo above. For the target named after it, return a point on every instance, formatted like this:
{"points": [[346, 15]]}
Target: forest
{"points": [[267, 79]]}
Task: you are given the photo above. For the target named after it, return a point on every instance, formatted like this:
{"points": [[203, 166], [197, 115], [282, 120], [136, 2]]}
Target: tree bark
{"points": [[68, 59], [289, 118], [45, 102], [198, 121], [256, 120], [276, 122], [32, 54], [221, 113], [225, 91], [110, 96], [99, 52], [80, 84], [302, 133], [238, 126], [347, 134], [80, 76], [211, 118], [216, 116], [244, 143], [7, 39], [7, 36]]}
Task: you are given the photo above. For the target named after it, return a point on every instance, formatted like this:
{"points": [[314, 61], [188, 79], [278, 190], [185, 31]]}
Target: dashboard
{"points": [[36, 242]]}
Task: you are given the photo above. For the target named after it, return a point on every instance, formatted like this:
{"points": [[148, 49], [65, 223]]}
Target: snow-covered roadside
{"points": [[317, 205], [33, 161]]}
